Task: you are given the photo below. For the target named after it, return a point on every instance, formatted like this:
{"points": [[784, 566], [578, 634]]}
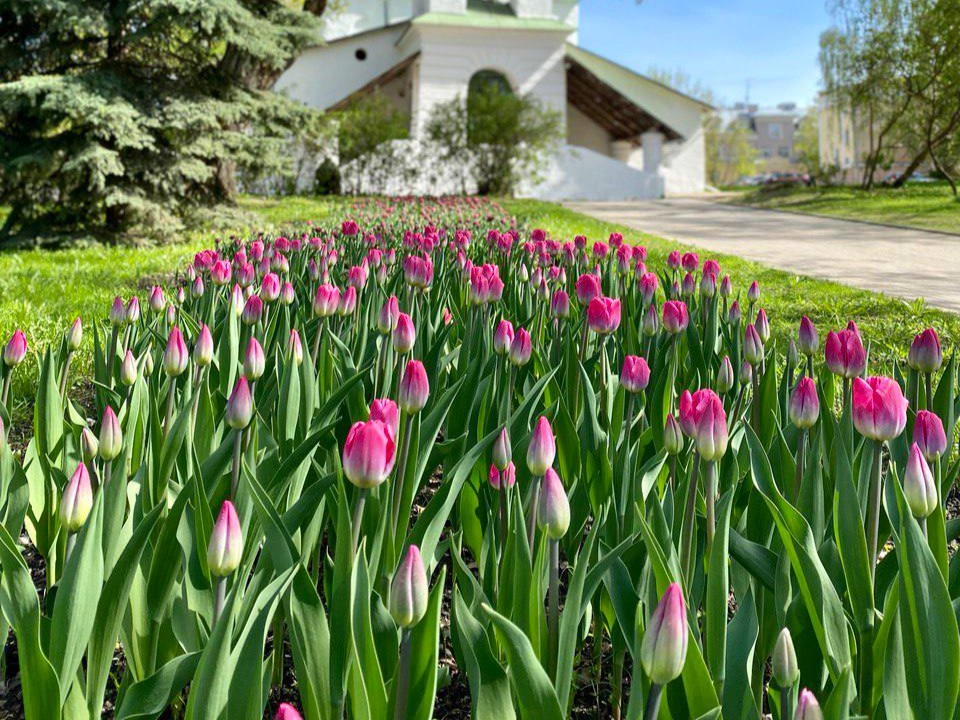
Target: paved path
{"points": [[898, 262]]}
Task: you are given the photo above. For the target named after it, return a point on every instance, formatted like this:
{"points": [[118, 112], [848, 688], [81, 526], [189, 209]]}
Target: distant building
{"points": [[627, 135], [772, 133]]}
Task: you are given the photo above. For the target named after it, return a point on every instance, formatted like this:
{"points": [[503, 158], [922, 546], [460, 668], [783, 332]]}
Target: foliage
{"points": [[326, 179], [730, 154], [126, 117], [499, 137], [365, 131], [806, 143]]}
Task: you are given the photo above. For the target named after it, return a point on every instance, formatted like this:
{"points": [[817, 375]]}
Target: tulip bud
{"points": [[387, 412], [672, 435], [89, 445], [270, 287], [502, 337], [239, 410], [807, 339], [725, 377], [286, 711], [404, 334], [651, 321], [74, 335], [252, 310], [254, 361], [175, 356], [804, 404], [118, 313], [879, 408], [635, 375], [709, 424], [752, 345], [928, 433], [542, 448], [409, 591], [348, 302], [77, 500], [726, 286], [203, 348], [369, 453], [919, 487], [128, 369], [733, 314], [389, 312], [502, 452], [414, 388], [521, 348], [503, 478], [237, 301], [793, 357], [603, 315], [763, 325], [15, 350], [226, 542], [663, 650], [287, 294], [844, 353], [560, 304], [746, 373], [132, 312], [925, 354], [156, 300], [553, 511], [295, 347], [111, 437], [786, 671], [807, 707], [196, 288], [675, 317], [753, 292]]}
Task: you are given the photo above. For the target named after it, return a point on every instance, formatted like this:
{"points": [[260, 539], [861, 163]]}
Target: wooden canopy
{"points": [[384, 78], [608, 107]]}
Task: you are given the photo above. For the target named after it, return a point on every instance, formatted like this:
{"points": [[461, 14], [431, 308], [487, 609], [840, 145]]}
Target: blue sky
{"points": [[720, 43]]}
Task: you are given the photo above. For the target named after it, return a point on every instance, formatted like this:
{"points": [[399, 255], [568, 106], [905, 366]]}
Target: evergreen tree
{"points": [[119, 115]]}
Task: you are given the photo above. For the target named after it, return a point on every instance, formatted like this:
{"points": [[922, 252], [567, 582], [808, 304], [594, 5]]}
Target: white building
{"points": [[627, 136]]}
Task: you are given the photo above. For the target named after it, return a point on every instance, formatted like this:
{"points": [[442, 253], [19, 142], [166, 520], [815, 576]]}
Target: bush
{"points": [[326, 180]]}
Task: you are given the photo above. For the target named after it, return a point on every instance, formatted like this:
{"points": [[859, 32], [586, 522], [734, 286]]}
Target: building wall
{"points": [[683, 166], [362, 15], [531, 61], [584, 132], [773, 137]]}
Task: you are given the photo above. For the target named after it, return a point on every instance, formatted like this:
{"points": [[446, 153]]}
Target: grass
{"points": [[42, 291], [927, 206]]}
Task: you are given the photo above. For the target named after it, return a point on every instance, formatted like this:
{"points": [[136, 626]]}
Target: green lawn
{"points": [[42, 291], [929, 206]]}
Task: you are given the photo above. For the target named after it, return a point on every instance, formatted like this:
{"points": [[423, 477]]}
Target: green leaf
{"points": [[148, 698], [718, 594]]}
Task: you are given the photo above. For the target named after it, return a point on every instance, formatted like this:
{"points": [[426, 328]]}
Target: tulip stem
{"points": [[171, 395], [237, 455], [625, 477], [65, 374], [653, 702], [502, 492], [689, 517], [532, 517], [71, 544], [219, 599], [6, 387], [928, 388], [553, 638], [785, 709], [401, 470], [358, 517], [403, 677], [798, 479], [710, 492], [873, 506]]}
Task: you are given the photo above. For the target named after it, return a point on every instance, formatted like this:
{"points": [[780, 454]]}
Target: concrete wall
{"points": [[584, 132], [362, 15], [576, 173], [683, 166], [531, 61]]}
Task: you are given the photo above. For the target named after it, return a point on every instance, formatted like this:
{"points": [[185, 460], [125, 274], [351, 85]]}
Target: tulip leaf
{"points": [[718, 594], [489, 684], [148, 698]]}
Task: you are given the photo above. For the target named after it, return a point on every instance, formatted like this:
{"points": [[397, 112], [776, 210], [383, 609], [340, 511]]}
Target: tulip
{"points": [[879, 408], [804, 404], [726, 287], [369, 453], [520, 348], [128, 369], [663, 650], [414, 388], [220, 272], [286, 711], [252, 310], [237, 300], [635, 375], [807, 339], [553, 509], [326, 301], [287, 294], [708, 422], [673, 260], [925, 354], [675, 317], [502, 452], [753, 292], [203, 348], [786, 670], [15, 350], [270, 287], [587, 288], [502, 479], [929, 435], [919, 487], [672, 435], [733, 314], [89, 445], [725, 377], [111, 437], [542, 449], [560, 304], [239, 410], [196, 288], [74, 335], [603, 315], [348, 302], [845, 354], [752, 346], [807, 707], [254, 361], [409, 591], [156, 300], [648, 285], [175, 357], [226, 542], [404, 334], [763, 325], [389, 313], [651, 321], [503, 337], [118, 313], [387, 412], [132, 312], [708, 285], [77, 500]]}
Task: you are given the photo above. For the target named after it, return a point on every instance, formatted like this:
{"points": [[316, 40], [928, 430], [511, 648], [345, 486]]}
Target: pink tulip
{"points": [[503, 337], [156, 300], [503, 478], [226, 542], [252, 310], [414, 388], [925, 354], [542, 448], [15, 350], [688, 286], [804, 404], [128, 369], [752, 345], [74, 335], [753, 292], [203, 347], [389, 313], [648, 284], [587, 288], [635, 374], [919, 487], [725, 377], [254, 360], [663, 650], [807, 339], [807, 707], [929, 435], [348, 302], [295, 347], [387, 412], [502, 452], [690, 262], [118, 313], [560, 304], [369, 453], [845, 354], [672, 435], [553, 510], [879, 408], [239, 410], [132, 311], [409, 591], [270, 287], [520, 348], [763, 325], [726, 286], [703, 417], [675, 317], [603, 315], [77, 500], [404, 334], [175, 356], [111, 437], [286, 711], [326, 300], [651, 321], [220, 272]]}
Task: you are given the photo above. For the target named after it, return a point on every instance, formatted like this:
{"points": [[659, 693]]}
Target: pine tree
{"points": [[121, 116]]}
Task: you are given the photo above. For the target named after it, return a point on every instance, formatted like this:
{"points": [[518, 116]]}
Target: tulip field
{"points": [[419, 461]]}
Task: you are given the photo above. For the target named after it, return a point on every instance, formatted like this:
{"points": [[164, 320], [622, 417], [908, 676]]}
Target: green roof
{"points": [[488, 20]]}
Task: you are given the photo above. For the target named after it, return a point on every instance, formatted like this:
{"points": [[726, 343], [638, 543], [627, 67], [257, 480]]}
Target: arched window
{"points": [[488, 80], [490, 103]]}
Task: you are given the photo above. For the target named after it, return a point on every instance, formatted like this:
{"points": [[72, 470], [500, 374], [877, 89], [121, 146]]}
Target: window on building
{"points": [[774, 130], [766, 153], [783, 152]]}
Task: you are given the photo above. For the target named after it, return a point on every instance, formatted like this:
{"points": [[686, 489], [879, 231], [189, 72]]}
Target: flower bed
{"points": [[335, 467]]}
